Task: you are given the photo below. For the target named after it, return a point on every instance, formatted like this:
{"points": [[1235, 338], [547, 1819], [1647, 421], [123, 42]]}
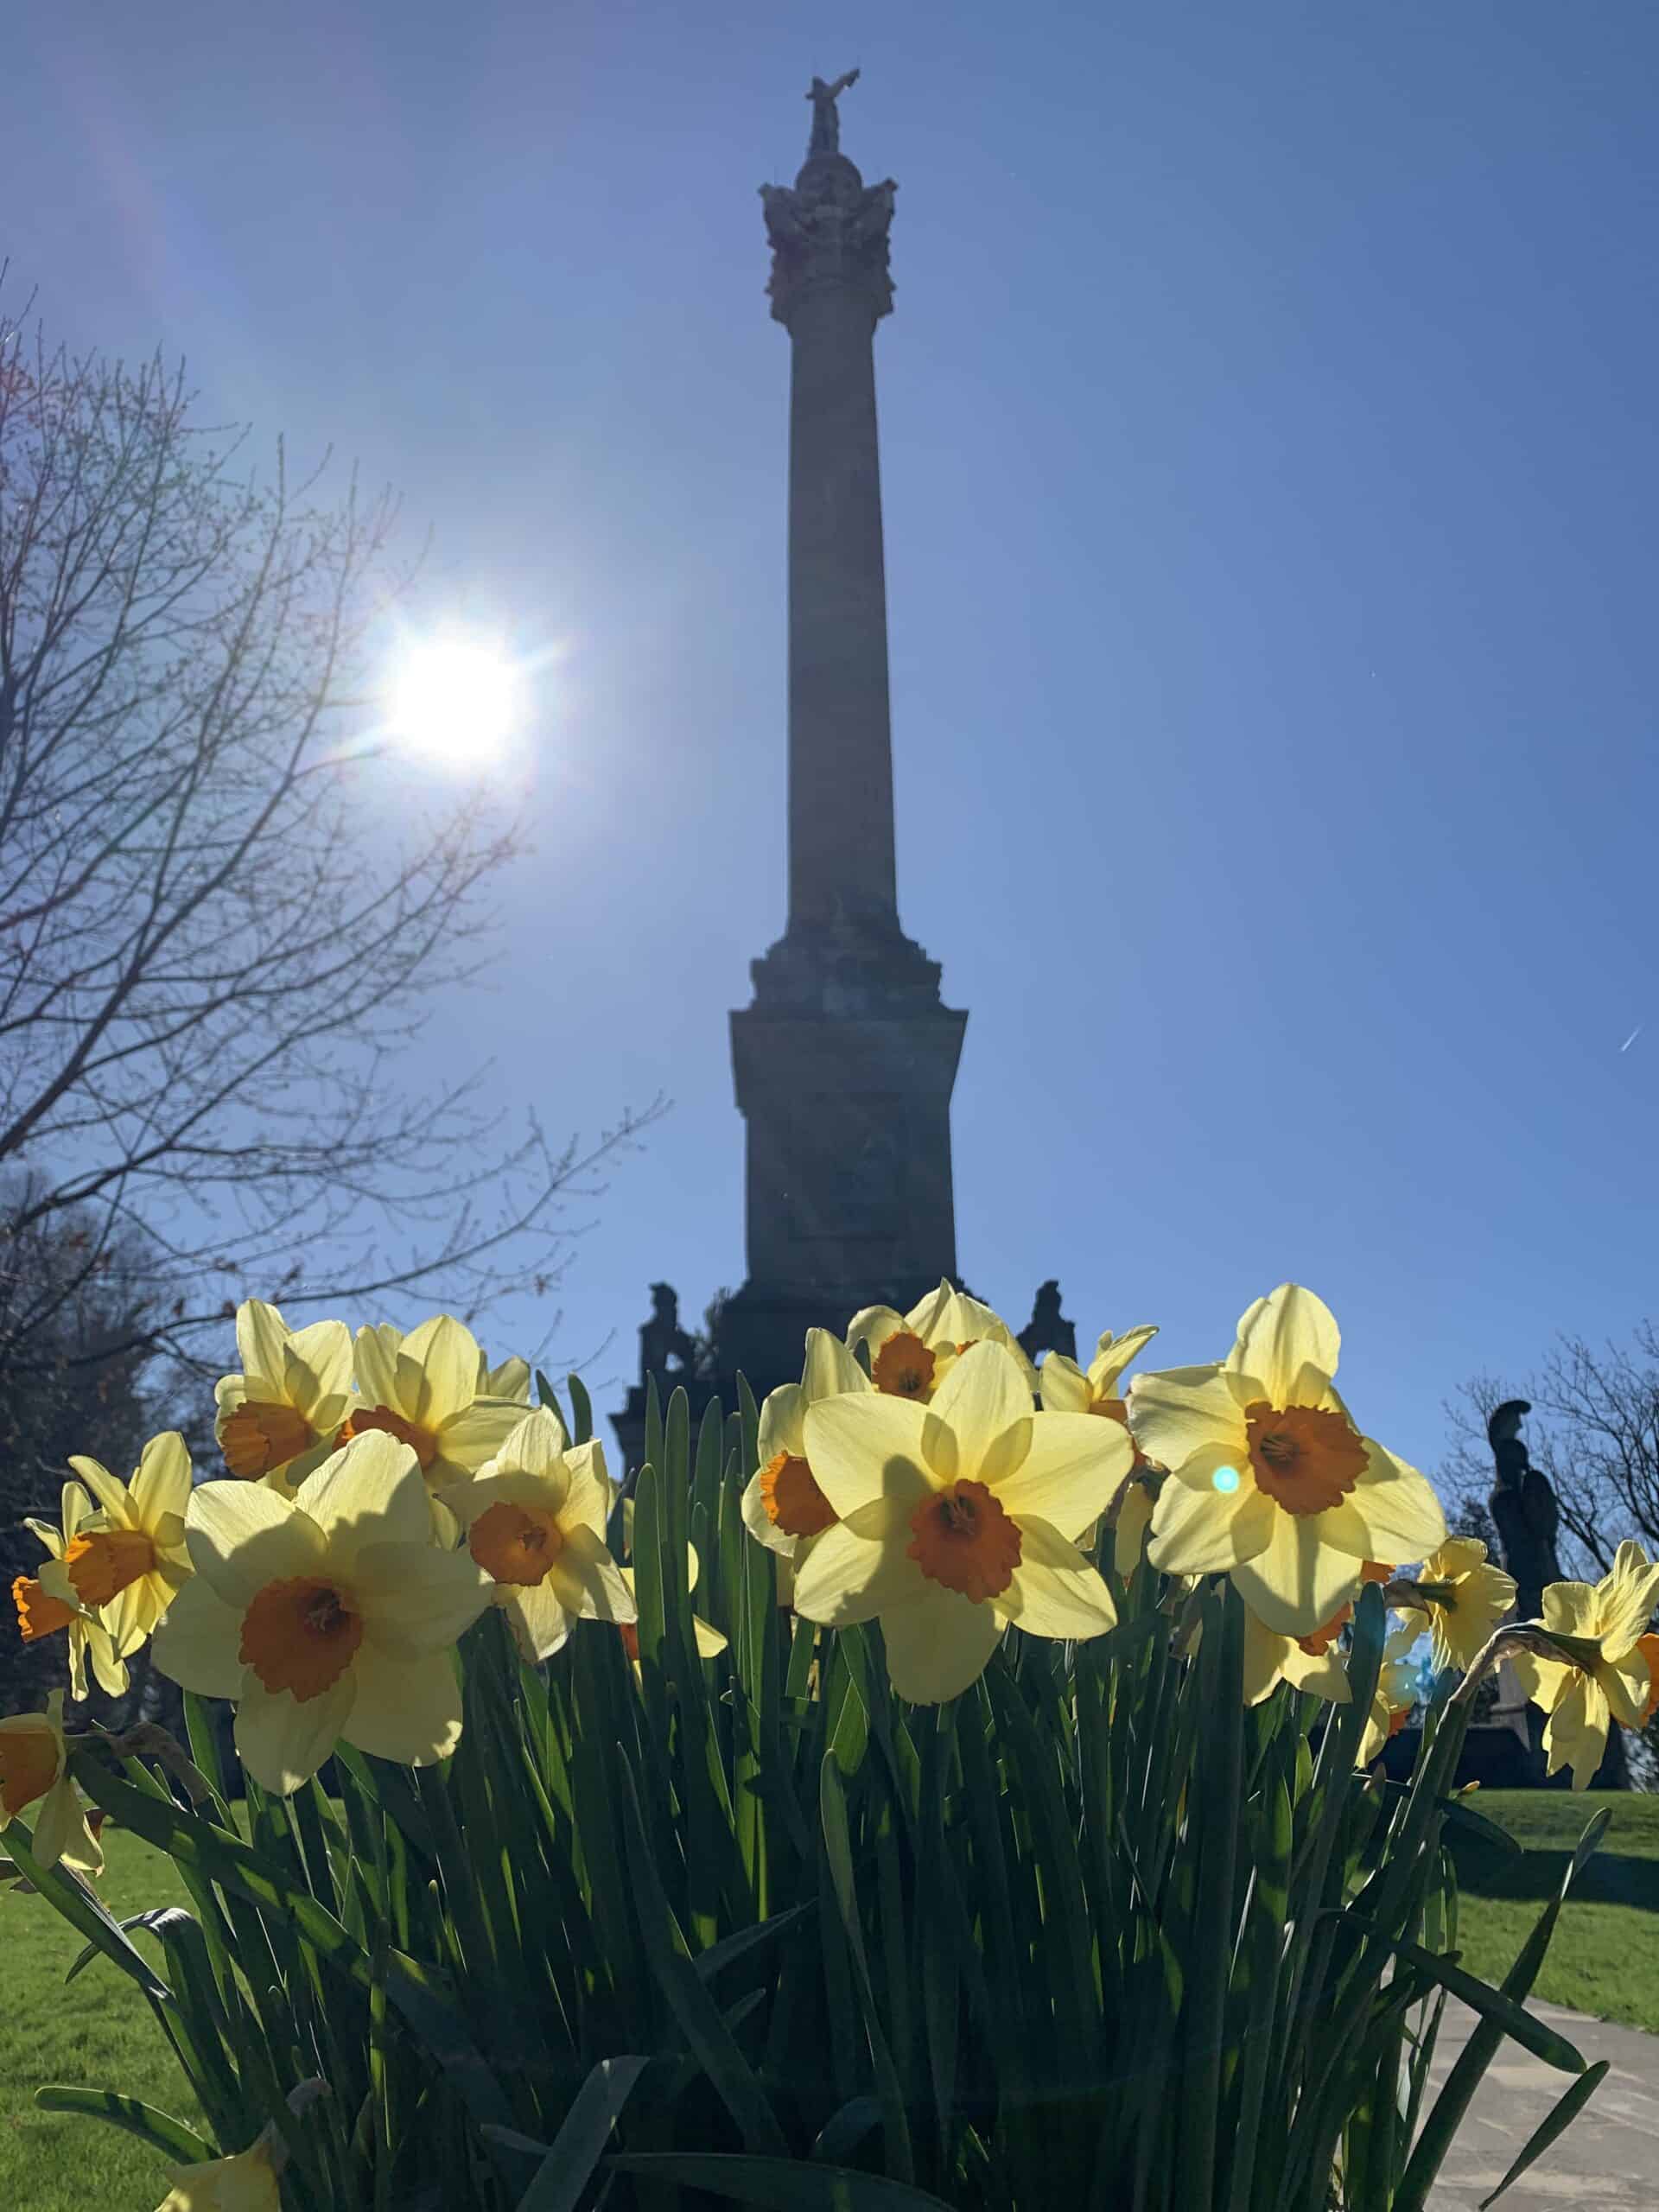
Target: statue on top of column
{"points": [[826, 118]]}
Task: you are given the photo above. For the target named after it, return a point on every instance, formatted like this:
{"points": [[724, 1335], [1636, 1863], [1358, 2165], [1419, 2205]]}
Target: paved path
{"points": [[1607, 2161]]}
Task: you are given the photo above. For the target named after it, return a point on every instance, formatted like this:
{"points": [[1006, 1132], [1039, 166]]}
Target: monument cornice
{"points": [[829, 229]]}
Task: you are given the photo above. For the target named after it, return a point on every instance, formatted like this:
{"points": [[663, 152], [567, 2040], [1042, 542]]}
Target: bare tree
{"points": [[224, 921]]}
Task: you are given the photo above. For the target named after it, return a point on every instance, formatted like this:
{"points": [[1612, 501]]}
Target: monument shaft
{"points": [[845, 1062], [841, 842]]}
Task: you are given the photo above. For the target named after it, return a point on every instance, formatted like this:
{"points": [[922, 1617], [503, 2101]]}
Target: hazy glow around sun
{"points": [[455, 700]]}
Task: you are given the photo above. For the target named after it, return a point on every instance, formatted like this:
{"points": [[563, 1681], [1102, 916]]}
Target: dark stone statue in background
{"points": [[826, 117], [1526, 1514], [1523, 1509], [662, 1340], [1048, 1330]]}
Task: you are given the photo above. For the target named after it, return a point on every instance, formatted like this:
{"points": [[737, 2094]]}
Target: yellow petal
{"points": [[241, 1536], [1628, 1593], [782, 1420], [1296, 1582], [161, 1486], [1113, 1354], [413, 1598], [864, 1446], [1281, 1334], [1055, 1591], [985, 1400], [447, 1353], [1072, 1472], [829, 1369], [872, 1325], [198, 1645], [1200, 1529], [850, 1576], [707, 1639], [1185, 1411], [1401, 1512], [403, 1709], [282, 1741], [937, 1644], [261, 1335], [369, 1491], [1063, 1386], [760, 1524]]}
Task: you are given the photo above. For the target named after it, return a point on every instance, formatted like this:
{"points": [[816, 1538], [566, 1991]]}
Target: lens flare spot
{"points": [[1225, 1479]]}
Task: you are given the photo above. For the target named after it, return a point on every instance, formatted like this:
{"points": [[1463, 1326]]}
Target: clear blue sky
{"points": [[1270, 465]]}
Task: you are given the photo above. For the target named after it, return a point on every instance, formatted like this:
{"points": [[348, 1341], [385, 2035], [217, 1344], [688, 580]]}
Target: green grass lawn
{"points": [[98, 2031], [1604, 1958]]}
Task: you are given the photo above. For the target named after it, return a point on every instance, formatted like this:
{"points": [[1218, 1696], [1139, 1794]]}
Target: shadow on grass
{"points": [[1484, 1871]]}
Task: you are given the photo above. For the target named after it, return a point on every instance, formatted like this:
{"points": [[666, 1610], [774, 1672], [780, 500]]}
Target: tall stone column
{"points": [[845, 1063], [830, 287]]}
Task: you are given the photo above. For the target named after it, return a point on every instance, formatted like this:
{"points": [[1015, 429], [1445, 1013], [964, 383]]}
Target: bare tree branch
{"points": [[225, 921]]}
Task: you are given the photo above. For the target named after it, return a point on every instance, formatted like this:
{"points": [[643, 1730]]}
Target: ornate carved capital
{"points": [[829, 227]]}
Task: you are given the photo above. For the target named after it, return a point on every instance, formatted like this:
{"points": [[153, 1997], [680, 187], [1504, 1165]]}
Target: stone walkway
{"points": [[1607, 2161]]}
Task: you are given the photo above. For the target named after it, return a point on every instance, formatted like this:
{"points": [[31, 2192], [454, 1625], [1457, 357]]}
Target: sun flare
{"points": [[455, 700]]}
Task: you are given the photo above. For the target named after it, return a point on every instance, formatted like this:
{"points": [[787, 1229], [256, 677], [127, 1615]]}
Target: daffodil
{"points": [[34, 1770], [1613, 1678], [277, 1419], [1395, 1695], [128, 1562], [956, 1518], [423, 1389], [1270, 1480], [912, 1353], [41, 1613], [244, 2183], [782, 1506], [329, 1617], [1466, 1598], [1307, 1662], [534, 1518], [1066, 1389]]}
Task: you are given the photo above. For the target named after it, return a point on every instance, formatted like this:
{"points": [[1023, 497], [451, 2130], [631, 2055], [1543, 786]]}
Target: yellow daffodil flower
{"points": [[912, 1353], [1066, 1389], [331, 1616], [956, 1518], [244, 2183], [1615, 1678], [783, 1507], [128, 1562], [89, 1865], [1269, 1479], [534, 1518], [41, 1613], [1467, 1597], [1307, 1662], [277, 1419], [34, 1770], [1395, 1695], [423, 1389]]}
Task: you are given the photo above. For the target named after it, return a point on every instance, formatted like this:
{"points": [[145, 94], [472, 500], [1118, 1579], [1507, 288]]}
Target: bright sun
{"points": [[455, 700]]}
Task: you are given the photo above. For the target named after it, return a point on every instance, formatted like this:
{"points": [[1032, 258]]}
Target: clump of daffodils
{"points": [[383, 1491]]}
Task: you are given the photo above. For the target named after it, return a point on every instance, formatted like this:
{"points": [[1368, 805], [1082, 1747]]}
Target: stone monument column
{"points": [[845, 1061]]}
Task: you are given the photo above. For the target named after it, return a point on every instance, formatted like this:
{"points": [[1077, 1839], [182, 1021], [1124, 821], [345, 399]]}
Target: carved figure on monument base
{"points": [[662, 1340], [1048, 1330]]}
